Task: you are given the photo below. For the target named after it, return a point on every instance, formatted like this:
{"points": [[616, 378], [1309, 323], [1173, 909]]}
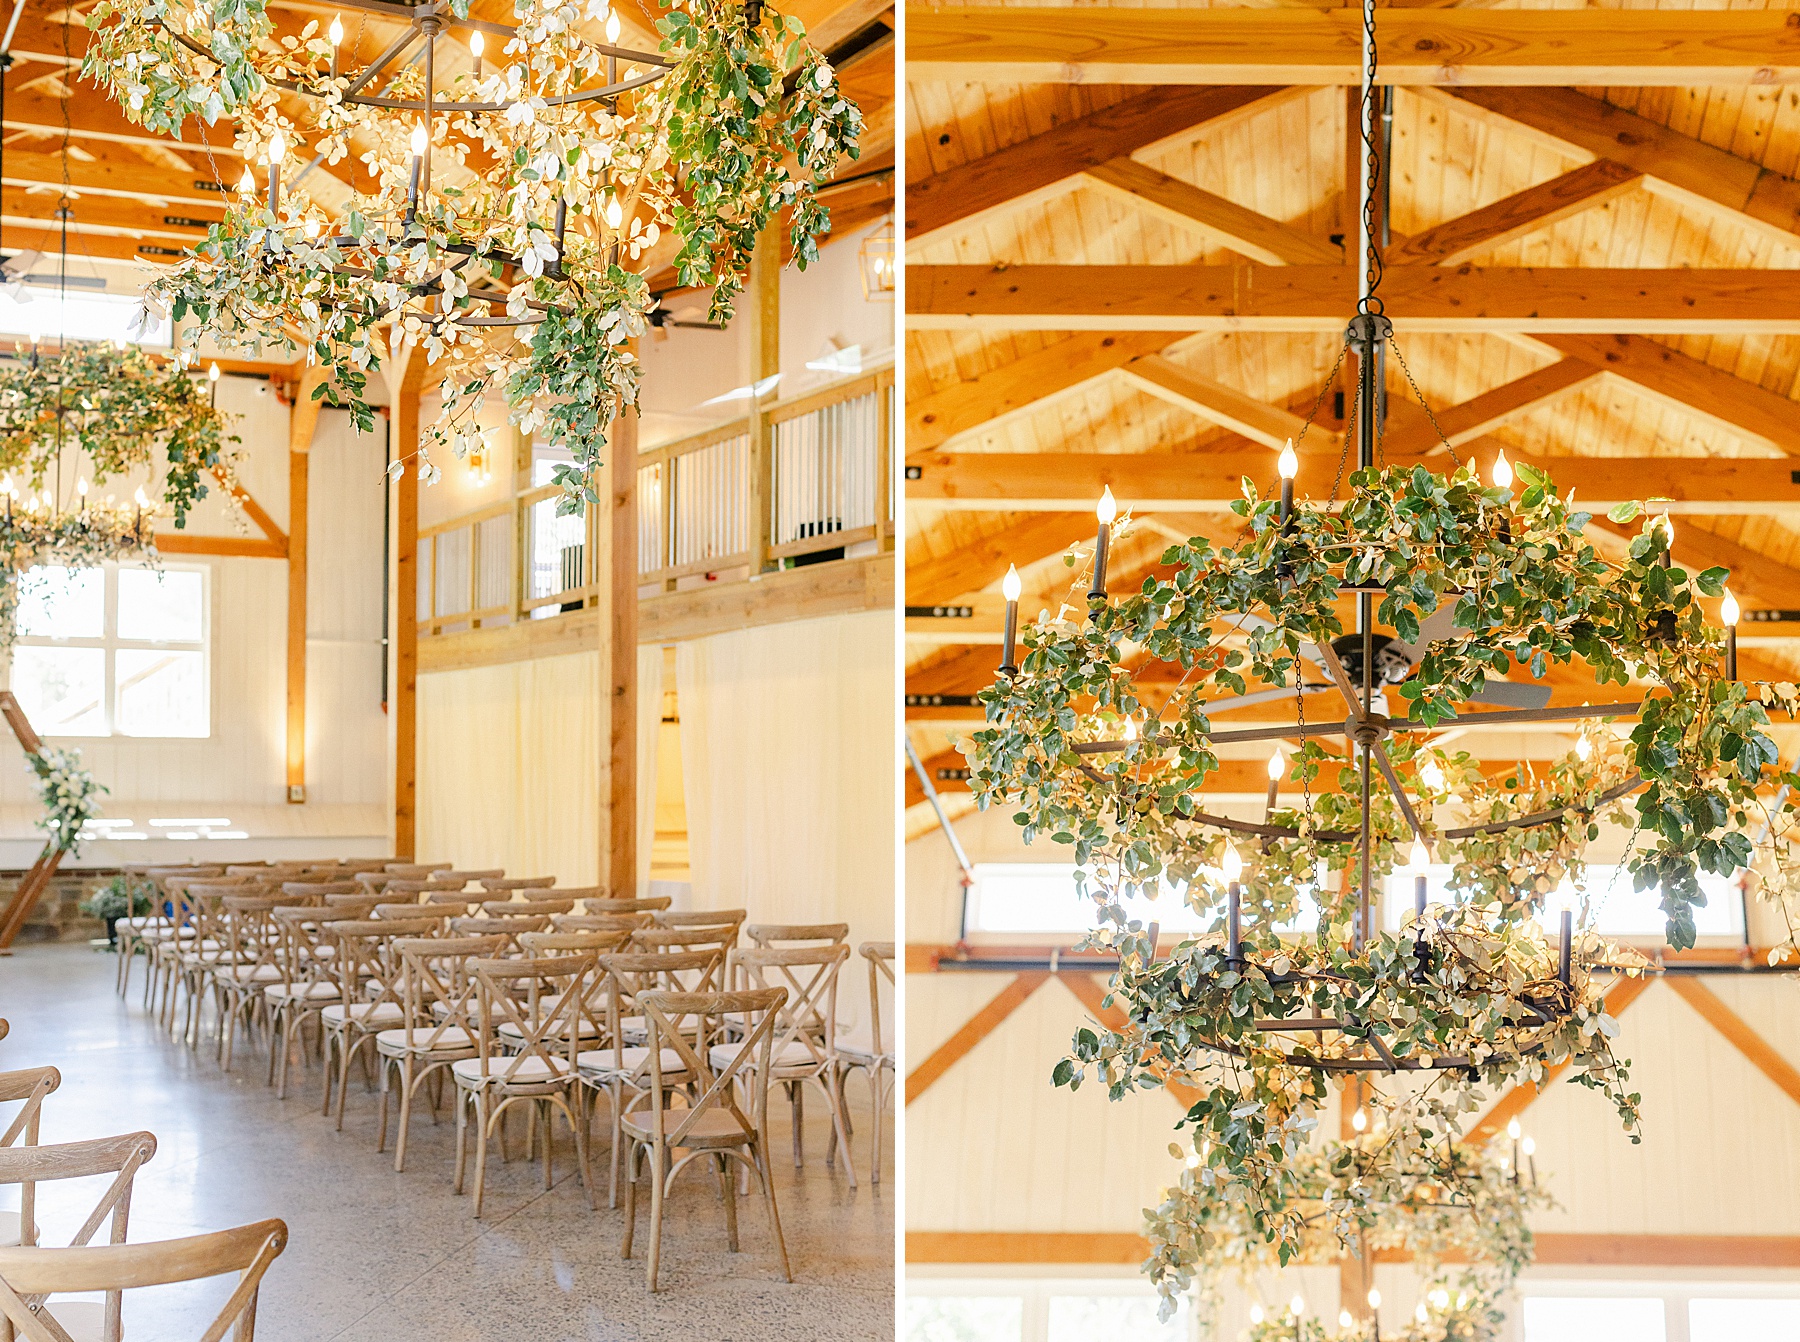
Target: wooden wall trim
{"points": [[1101, 1248], [1739, 1031], [978, 1027]]}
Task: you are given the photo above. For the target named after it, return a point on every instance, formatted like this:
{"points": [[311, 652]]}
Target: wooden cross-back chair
{"points": [[369, 1000], [143, 932], [252, 962], [500, 885], [192, 900], [431, 913], [510, 928], [649, 904], [806, 1033], [661, 939], [209, 947], [416, 871], [871, 1052], [774, 936], [112, 1268], [28, 1087], [306, 986], [441, 1016], [413, 889], [526, 908], [714, 1123], [545, 999], [462, 878], [122, 1157], [600, 922], [722, 920], [622, 1068]]}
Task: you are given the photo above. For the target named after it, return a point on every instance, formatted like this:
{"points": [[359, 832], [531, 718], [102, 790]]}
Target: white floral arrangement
{"points": [[70, 795]]}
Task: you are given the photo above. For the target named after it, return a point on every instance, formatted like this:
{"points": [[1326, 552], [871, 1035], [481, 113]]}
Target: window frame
{"points": [[110, 644]]}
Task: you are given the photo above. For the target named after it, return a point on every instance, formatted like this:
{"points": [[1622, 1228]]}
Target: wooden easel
{"points": [[37, 880]]}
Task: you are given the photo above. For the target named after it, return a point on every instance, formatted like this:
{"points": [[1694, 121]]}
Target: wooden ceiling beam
{"points": [[972, 567], [110, 214], [1672, 163], [117, 172], [1001, 394], [30, 235], [1525, 212], [1225, 222], [1049, 164], [1756, 578], [95, 117], [1690, 385], [1031, 45], [1150, 482], [1213, 401], [1249, 297], [1470, 420]]}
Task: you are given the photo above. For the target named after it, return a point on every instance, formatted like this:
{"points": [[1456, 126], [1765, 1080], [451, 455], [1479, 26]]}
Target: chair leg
{"points": [[630, 1198], [618, 1138], [658, 1179], [406, 1094], [384, 1064], [768, 1188], [327, 1046], [345, 1049], [797, 1096], [482, 1126], [875, 1103], [462, 1137], [584, 1150], [728, 1181], [839, 1127]]}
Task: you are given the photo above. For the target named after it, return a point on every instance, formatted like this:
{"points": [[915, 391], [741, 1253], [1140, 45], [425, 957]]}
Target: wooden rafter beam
{"points": [[972, 567], [1672, 163], [1212, 401], [1470, 420], [1525, 212], [984, 1022], [1743, 1036], [1086, 989], [1517, 1100], [1316, 298], [1211, 482], [93, 116], [1227, 223], [1014, 389], [1050, 163], [1026, 45], [115, 171], [1756, 577], [184, 223]]}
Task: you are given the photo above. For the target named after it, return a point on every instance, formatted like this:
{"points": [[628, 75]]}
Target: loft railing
{"points": [[795, 481]]}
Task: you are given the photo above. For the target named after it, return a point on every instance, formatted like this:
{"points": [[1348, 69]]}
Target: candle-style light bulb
{"points": [[1359, 1120], [143, 500], [1374, 1298], [212, 373], [1528, 1146], [1431, 775], [277, 152], [1297, 1306], [612, 26], [477, 44], [335, 34], [1729, 613], [212, 385], [312, 226], [1667, 527], [1010, 587], [247, 183], [1419, 858], [1422, 1314], [1130, 728], [1513, 1130], [1277, 766], [1232, 865], [1583, 748], [1503, 472], [418, 139], [1105, 512], [1256, 1314], [1345, 1321], [614, 212]]}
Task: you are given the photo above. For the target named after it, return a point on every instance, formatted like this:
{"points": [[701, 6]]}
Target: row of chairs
{"points": [[545, 1001], [33, 1275]]}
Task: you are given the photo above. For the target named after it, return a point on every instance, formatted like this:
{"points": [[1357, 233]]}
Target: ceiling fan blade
{"points": [[1512, 694], [1441, 623], [1268, 696], [17, 267], [1310, 651]]}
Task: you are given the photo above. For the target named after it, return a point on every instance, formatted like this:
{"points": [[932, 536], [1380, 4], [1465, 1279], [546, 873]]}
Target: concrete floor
{"points": [[378, 1255]]}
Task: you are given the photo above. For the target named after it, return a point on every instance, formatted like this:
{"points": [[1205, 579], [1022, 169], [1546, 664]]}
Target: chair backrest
{"points": [[720, 939], [651, 905], [526, 908], [560, 943], [600, 922], [769, 936], [462, 878], [696, 918], [362, 902], [438, 990], [27, 1274], [297, 942], [880, 955], [545, 999], [629, 973], [501, 884], [809, 1015], [440, 913], [32, 1085], [456, 899], [418, 887], [685, 1023], [365, 955], [415, 871], [251, 937], [319, 889]]}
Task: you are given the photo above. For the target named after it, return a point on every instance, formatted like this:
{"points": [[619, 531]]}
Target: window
{"points": [[1573, 1310], [965, 1318], [113, 651], [941, 1309], [1619, 910], [1040, 899], [1732, 1320], [1583, 1319]]}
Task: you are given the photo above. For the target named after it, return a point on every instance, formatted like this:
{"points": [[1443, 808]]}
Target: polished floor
{"points": [[375, 1255]]}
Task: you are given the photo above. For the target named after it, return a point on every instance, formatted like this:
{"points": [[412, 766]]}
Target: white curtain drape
{"points": [[509, 765], [788, 767]]}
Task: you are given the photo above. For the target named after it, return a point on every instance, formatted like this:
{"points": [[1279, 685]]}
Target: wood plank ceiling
{"points": [[1502, 191]]}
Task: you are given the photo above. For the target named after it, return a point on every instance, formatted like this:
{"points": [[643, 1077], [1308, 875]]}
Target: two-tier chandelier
{"points": [[1100, 736], [494, 195]]}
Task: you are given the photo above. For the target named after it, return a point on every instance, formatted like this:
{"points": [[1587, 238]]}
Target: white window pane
{"points": [[1111, 1318], [167, 607], [161, 693], [62, 690], [63, 603], [1574, 1319], [1733, 1320], [964, 1318]]}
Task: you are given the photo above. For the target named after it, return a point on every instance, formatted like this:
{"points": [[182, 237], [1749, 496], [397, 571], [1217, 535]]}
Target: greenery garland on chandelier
{"points": [[517, 269], [1459, 1212], [118, 412]]}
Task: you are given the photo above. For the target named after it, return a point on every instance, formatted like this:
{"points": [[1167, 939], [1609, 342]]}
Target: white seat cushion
{"points": [[529, 1071], [604, 1062], [420, 1037], [507, 1030], [857, 1047], [250, 973], [294, 992], [365, 1013]]}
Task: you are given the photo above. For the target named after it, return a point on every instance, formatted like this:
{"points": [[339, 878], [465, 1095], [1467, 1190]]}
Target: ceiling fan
{"points": [[13, 271], [1394, 662]]}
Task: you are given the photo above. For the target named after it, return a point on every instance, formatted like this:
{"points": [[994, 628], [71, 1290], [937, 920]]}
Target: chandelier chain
{"points": [[1371, 259], [1337, 481], [1324, 390], [1424, 404]]}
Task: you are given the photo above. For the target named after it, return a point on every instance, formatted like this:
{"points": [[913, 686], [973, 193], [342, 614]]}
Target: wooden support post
{"points": [[303, 420], [763, 298], [405, 377], [31, 888], [616, 530], [521, 555]]}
